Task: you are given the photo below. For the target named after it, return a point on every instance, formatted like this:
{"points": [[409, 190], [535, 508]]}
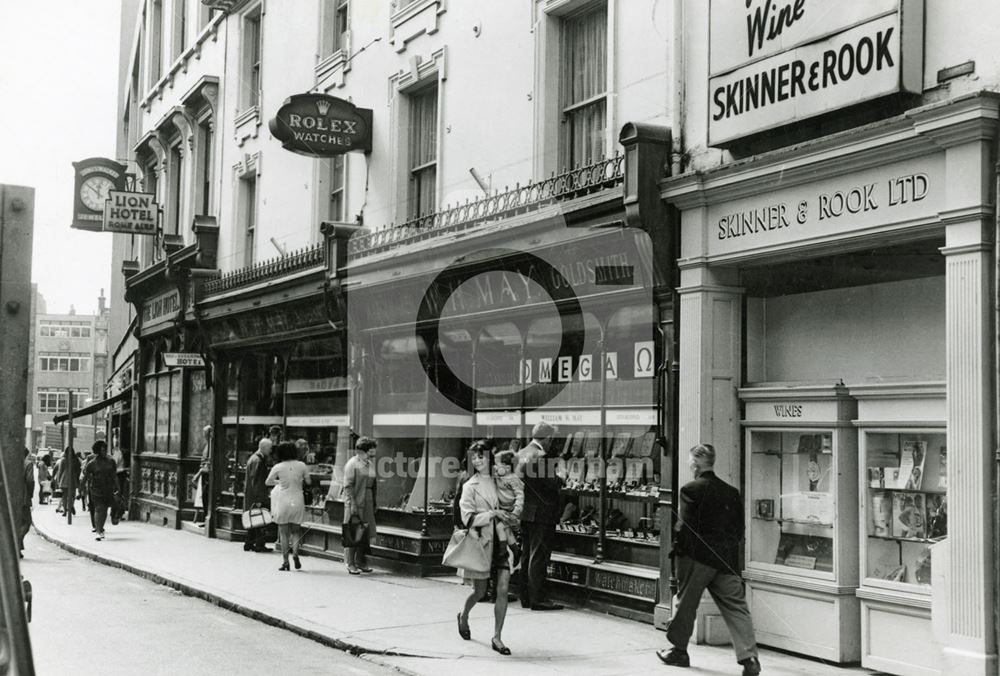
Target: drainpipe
{"points": [[996, 398]]}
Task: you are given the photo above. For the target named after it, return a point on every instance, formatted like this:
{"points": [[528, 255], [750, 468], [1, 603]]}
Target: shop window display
{"points": [[906, 504], [793, 506]]}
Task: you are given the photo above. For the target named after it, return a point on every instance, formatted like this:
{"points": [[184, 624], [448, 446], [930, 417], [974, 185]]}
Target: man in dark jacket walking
{"points": [[255, 493], [706, 552], [539, 517], [100, 480]]}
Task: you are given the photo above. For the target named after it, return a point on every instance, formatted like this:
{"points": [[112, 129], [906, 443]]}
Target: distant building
{"points": [[69, 353]]}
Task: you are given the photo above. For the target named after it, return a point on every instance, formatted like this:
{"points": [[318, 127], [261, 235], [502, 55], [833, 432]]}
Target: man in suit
{"points": [[255, 493], [542, 482], [706, 553]]}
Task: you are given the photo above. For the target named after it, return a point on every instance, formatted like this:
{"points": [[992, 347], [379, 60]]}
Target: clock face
{"points": [[95, 191]]}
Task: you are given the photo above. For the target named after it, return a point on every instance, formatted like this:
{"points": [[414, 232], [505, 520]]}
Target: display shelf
{"points": [[612, 495]]}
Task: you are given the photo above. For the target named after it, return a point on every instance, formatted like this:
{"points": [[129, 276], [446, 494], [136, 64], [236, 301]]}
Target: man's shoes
{"points": [[247, 547], [262, 549], [546, 605], [674, 657], [751, 666], [526, 604]]}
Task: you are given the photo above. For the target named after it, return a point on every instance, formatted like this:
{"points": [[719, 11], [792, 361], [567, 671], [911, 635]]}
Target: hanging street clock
{"points": [[95, 178]]}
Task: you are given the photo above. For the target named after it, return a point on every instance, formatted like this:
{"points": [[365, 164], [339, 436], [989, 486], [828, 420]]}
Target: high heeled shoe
{"points": [[499, 647], [284, 566], [464, 633], [298, 564]]}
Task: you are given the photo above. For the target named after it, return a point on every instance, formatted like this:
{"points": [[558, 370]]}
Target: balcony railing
{"points": [[270, 269], [578, 182]]}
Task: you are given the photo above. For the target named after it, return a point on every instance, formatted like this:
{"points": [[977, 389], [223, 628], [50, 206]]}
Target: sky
{"points": [[58, 88]]}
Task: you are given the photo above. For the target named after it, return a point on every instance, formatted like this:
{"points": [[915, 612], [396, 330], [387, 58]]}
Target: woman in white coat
{"points": [[480, 509], [287, 502]]}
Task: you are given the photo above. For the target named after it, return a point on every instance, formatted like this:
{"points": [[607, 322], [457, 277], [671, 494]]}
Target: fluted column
{"points": [[970, 648]]}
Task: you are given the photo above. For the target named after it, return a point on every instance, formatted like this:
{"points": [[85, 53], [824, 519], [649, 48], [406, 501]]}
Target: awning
{"points": [[94, 408]]}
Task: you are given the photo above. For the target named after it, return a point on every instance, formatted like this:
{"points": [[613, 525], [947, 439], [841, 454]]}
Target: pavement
{"points": [[393, 620]]}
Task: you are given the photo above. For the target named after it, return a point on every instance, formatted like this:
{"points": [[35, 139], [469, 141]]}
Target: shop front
{"points": [[479, 329], [277, 362], [173, 401], [837, 349]]}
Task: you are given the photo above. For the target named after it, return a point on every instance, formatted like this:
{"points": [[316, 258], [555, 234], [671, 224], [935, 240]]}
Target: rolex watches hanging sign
{"points": [[95, 178], [317, 125]]}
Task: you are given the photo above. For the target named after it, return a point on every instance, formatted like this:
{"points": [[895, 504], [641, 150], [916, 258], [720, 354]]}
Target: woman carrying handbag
{"points": [[481, 511], [359, 506]]}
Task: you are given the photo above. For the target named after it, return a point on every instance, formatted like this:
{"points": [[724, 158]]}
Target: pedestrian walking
{"points": [[255, 493], [200, 480], [288, 507], [28, 477], [359, 505], [706, 553], [480, 506], [69, 468], [542, 483], [121, 459], [81, 484], [101, 482], [44, 479]]}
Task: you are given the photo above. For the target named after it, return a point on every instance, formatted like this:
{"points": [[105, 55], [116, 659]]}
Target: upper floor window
{"points": [[335, 24], [423, 107], [57, 401], [155, 41], [252, 35], [50, 329], [63, 361], [584, 86], [175, 170], [338, 188], [206, 160], [179, 43], [249, 212]]}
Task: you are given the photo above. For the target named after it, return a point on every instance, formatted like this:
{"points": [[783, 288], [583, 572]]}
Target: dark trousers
{"points": [[99, 513], [538, 541], [256, 539], [729, 594]]}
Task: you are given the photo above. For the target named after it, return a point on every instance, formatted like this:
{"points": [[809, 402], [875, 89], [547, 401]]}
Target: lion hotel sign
{"points": [[773, 62], [317, 125]]}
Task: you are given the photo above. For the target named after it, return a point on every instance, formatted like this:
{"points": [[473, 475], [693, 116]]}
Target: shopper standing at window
{"points": [[287, 505], [542, 482], [255, 493], [359, 505], [706, 552]]}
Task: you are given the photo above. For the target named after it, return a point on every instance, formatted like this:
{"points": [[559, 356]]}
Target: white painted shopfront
{"points": [[835, 299]]}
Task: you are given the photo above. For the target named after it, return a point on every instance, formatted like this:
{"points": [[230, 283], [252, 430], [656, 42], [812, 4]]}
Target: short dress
{"points": [[287, 502]]}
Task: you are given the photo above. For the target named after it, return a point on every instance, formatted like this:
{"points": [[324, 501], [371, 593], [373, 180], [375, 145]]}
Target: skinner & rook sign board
{"points": [[773, 62]]}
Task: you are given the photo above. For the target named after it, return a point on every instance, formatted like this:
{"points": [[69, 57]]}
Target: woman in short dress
{"points": [[359, 501], [480, 508], [287, 505]]}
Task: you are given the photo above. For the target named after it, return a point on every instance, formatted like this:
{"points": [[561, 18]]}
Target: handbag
{"points": [[355, 532], [467, 551], [256, 517]]}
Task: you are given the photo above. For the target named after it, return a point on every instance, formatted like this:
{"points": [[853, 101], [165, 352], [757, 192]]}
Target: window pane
{"points": [[584, 79]]}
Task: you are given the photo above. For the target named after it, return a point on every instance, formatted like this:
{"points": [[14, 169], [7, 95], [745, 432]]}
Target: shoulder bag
{"points": [[467, 551]]}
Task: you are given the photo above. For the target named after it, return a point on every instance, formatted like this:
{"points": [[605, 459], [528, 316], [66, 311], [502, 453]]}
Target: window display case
{"points": [[801, 518], [904, 513]]}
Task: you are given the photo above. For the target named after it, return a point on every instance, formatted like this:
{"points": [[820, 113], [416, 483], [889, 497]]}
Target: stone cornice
{"points": [[918, 132]]}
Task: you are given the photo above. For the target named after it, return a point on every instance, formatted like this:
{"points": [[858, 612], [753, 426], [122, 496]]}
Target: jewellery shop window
{"points": [[793, 505], [163, 405], [562, 381], [906, 504], [630, 359], [254, 402], [316, 408], [400, 382], [498, 354]]}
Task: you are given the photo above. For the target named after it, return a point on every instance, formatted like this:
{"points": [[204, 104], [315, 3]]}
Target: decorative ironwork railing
{"points": [[601, 175], [265, 270]]}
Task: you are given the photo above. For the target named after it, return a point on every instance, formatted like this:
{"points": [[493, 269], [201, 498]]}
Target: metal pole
{"points": [[71, 489], [424, 529], [602, 505]]}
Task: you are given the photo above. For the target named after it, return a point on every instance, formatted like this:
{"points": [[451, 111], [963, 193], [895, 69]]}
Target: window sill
{"points": [[413, 20], [330, 71], [247, 124]]}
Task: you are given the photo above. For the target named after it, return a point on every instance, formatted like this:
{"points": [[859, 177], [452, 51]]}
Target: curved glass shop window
{"points": [[399, 380], [631, 357], [262, 385], [454, 351], [543, 366], [498, 356]]}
